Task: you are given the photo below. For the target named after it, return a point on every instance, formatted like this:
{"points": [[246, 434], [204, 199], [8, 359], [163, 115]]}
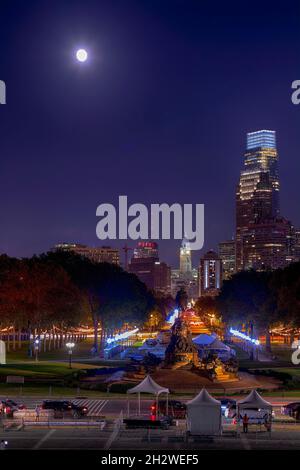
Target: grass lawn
{"points": [[293, 371], [81, 350], [42, 369], [81, 354], [46, 391], [283, 359]]}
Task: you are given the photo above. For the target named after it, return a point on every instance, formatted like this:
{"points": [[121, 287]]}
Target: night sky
{"points": [[158, 113]]}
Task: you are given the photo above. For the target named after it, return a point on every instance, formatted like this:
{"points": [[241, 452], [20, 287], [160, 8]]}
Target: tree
{"points": [[181, 299], [34, 296], [113, 295], [286, 284], [248, 299]]}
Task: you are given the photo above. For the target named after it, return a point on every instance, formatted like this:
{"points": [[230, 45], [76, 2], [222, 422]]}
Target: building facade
{"points": [[263, 237], [297, 244], [210, 274], [146, 266], [188, 282], [103, 254], [146, 250], [227, 255], [185, 257]]}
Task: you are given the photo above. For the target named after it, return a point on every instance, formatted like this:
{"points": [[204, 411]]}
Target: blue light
{"points": [[263, 139], [121, 336], [173, 316], [241, 335]]}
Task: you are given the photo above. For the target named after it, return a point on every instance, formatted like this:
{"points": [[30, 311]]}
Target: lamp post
{"points": [[36, 348], [70, 347]]}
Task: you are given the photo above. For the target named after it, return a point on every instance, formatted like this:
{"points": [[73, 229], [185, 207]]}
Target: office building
{"points": [[227, 255], [103, 254], [210, 274]]}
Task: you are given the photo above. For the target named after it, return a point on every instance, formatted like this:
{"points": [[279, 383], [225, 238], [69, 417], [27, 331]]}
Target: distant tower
{"points": [[185, 265], [210, 274]]}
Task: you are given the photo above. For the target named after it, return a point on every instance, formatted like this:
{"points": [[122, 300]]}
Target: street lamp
{"points": [[70, 347], [36, 348]]}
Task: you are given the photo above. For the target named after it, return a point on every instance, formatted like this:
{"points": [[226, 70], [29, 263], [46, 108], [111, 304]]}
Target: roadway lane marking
{"points": [[245, 442], [103, 405], [44, 439], [94, 406]]}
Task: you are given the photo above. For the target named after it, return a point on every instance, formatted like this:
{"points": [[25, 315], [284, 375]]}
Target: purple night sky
{"points": [[159, 112]]}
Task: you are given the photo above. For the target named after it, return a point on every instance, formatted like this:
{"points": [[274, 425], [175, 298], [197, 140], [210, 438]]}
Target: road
{"points": [[113, 406], [284, 436], [96, 407]]}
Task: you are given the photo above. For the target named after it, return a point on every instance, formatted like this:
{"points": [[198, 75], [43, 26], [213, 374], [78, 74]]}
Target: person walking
{"points": [[37, 413], [245, 423]]}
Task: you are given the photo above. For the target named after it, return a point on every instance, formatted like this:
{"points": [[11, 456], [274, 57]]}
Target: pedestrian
{"points": [[268, 423], [37, 413], [1, 408], [245, 423]]}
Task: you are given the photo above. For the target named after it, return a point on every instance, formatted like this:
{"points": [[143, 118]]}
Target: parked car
{"points": [[176, 409], [65, 406], [292, 409], [9, 406]]}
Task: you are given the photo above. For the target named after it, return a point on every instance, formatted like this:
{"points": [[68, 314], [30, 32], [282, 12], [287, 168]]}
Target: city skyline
{"points": [[259, 183], [151, 122]]}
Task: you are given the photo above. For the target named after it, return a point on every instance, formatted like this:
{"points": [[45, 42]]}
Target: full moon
{"points": [[81, 55]]}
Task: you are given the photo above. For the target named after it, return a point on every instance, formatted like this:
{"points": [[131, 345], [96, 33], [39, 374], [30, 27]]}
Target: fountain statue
{"points": [[181, 349]]}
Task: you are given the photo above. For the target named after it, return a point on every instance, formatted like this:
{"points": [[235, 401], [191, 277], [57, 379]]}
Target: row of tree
{"points": [[259, 300], [60, 290]]}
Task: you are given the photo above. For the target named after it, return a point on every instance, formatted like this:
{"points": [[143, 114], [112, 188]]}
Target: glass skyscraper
{"points": [[265, 139], [261, 165], [261, 234]]}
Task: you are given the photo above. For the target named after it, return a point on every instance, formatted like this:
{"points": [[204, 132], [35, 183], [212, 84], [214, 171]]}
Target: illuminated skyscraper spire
{"points": [[261, 234], [185, 257]]}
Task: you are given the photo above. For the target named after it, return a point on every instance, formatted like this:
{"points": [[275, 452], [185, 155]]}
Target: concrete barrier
{"points": [[60, 424], [15, 379], [30, 415]]}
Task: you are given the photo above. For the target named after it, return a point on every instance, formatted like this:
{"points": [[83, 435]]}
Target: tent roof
{"points": [[204, 399], [203, 339], [146, 347], [148, 386], [217, 344], [254, 400]]}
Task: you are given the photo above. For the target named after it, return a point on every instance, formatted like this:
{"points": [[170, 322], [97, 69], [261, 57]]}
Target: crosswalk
{"points": [[95, 407]]}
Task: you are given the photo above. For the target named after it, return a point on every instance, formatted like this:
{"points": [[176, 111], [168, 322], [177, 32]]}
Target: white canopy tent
{"points": [[204, 415], [254, 401], [148, 385]]}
